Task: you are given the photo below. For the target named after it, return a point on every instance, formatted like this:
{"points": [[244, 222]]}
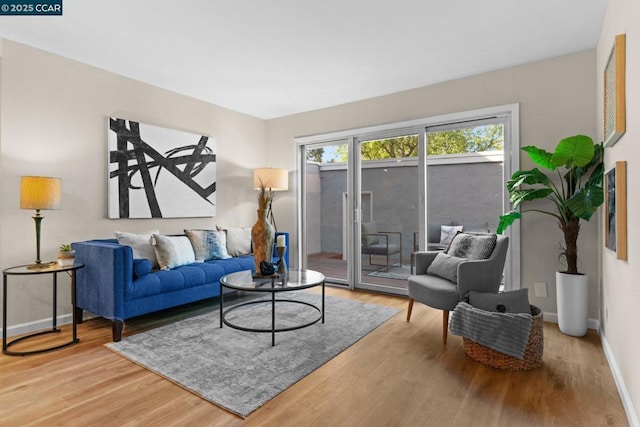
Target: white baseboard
{"points": [[42, 324], [553, 318], [632, 417]]}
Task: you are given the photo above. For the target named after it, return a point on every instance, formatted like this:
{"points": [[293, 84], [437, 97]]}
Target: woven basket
{"points": [[532, 355]]}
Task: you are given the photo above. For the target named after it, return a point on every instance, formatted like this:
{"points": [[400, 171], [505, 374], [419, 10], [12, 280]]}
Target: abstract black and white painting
{"points": [[156, 172]]}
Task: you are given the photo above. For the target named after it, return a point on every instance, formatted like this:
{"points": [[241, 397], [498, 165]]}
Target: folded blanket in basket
{"points": [[507, 333]]}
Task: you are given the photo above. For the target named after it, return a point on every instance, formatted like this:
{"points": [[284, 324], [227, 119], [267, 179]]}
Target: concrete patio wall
{"points": [[468, 194]]}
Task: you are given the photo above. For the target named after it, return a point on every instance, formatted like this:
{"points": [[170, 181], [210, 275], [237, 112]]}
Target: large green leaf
{"points": [[506, 220], [597, 176], [531, 177], [574, 151], [528, 194], [586, 201], [540, 157]]}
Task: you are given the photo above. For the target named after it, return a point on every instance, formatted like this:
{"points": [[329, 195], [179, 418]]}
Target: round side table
{"points": [[53, 269]]}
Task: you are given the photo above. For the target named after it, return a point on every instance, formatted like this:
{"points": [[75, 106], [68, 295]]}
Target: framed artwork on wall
{"points": [[614, 93], [155, 172], [616, 210]]}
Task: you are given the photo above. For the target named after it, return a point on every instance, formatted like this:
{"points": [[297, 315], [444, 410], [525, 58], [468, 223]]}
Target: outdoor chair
{"points": [[376, 242], [447, 281]]}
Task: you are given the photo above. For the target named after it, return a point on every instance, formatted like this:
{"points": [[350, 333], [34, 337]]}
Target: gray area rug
{"points": [[396, 271], [240, 371]]}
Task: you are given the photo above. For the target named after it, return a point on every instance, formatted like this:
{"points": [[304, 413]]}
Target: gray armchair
{"points": [[375, 242], [482, 275]]}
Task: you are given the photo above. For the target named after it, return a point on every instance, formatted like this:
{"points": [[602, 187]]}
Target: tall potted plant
{"points": [[575, 195]]}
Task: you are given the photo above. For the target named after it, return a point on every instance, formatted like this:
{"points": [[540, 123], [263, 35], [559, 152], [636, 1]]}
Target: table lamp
{"points": [[275, 179], [40, 192]]}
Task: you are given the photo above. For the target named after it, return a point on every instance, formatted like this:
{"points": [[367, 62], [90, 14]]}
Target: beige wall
{"points": [[620, 283], [53, 122], [556, 100]]}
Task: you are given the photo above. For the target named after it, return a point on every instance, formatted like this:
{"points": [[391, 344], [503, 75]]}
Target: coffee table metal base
{"points": [[273, 290], [273, 328]]}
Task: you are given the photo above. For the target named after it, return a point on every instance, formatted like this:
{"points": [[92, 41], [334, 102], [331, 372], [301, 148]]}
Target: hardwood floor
{"points": [[399, 375], [333, 267]]}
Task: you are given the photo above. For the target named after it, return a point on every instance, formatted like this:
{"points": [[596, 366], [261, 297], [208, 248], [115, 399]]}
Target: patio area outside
{"points": [[463, 190]]}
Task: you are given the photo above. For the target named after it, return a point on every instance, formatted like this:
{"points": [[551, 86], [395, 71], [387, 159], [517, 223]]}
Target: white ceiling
{"points": [[271, 58]]}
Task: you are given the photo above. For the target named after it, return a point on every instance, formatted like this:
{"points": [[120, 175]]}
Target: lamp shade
{"points": [[40, 192], [274, 178]]}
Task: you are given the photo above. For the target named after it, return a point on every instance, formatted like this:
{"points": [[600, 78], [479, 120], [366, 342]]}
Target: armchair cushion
{"points": [[369, 228], [438, 292], [472, 246], [445, 266], [504, 302]]}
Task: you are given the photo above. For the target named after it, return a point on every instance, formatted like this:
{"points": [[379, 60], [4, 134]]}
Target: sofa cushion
{"points": [[140, 244], [504, 302], [188, 276], [141, 267], [369, 228], [472, 246], [208, 244], [445, 266], [173, 251]]}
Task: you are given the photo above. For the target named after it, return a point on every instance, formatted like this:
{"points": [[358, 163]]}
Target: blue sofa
{"points": [[116, 286]]}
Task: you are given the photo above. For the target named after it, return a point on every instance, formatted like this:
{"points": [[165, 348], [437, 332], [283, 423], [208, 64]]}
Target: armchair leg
{"points": [[445, 326], [409, 309]]}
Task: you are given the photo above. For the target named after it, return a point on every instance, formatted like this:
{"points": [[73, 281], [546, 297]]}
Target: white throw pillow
{"points": [[140, 244], [173, 251], [448, 232], [238, 240]]}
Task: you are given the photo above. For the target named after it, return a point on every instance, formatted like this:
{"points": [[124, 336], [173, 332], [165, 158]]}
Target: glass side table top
{"points": [[294, 279], [48, 267]]}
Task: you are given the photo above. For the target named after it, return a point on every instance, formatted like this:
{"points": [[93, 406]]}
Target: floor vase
{"points": [[262, 236]]}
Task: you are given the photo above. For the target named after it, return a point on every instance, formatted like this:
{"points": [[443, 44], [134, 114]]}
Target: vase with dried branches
{"points": [[262, 232]]}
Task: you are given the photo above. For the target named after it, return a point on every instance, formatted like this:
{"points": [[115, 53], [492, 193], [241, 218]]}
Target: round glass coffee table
{"points": [[294, 280]]}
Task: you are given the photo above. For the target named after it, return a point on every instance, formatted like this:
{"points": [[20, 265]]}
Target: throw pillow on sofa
{"points": [[173, 251], [208, 244], [140, 244], [141, 267], [238, 240]]}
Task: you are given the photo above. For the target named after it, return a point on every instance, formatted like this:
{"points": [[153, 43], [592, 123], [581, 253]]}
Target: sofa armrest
{"points": [[107, 272]]}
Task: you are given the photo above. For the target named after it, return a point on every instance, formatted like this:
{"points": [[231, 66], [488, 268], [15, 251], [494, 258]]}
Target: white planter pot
{"points": [[66, 259], [572, 295]]}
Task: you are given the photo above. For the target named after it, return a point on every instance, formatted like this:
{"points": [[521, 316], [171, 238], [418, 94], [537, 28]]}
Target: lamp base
{"points": [[41, 265]]}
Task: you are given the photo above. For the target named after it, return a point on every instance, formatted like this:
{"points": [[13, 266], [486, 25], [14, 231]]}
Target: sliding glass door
{"points": [[372, 197], [326, 210], [465, 179], [389, 209]]}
